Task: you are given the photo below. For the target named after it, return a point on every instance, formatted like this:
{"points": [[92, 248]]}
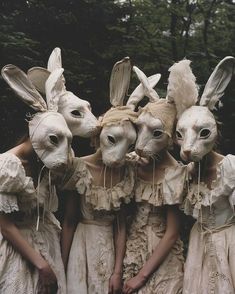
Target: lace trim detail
{"points": [[168, 192], [99, 197], [223, 185], [8, 203]]}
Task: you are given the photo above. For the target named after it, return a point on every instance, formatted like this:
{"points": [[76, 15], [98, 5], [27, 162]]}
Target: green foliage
{"points": [[93, 34]]}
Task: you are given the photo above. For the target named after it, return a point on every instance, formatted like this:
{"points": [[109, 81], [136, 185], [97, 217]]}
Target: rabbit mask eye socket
{"points": [[76, 113], [54, 139], [179, 135], [205, 133], [111, 139], [157, 134]]}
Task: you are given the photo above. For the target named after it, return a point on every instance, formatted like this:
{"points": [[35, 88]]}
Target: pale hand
{"points": [[134, 284], [115, 284], [47, 279]]}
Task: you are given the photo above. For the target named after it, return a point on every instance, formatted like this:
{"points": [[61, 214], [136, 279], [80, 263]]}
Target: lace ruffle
{"points": [[99, 197], [15, 185], [170, 191], [8, 203], [223, 185]]}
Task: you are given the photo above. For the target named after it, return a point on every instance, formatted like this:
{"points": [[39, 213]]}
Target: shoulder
{"points": [[12, 172]]}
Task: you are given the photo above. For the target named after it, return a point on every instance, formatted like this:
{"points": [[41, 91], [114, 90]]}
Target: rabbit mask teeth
{"points": [[196, 133], [51, 139]]}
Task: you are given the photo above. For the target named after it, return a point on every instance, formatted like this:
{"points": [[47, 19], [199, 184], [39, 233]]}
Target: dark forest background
{"points": [[94, 34]]}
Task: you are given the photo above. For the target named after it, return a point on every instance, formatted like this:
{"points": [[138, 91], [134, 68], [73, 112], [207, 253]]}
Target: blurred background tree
{"points": [[93, 34]]}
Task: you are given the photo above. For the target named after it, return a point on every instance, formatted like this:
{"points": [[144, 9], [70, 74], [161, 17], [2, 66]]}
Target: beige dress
{"points": [[210, 264], [147, 229], [18, 198], [91, 258]]}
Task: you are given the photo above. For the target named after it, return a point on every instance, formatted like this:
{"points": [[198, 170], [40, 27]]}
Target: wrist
{"points": [[40, 263], [143, 275]]}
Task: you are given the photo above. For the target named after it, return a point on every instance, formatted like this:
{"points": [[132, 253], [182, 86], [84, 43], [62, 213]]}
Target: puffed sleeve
{"points": [[13, 182], [174, 184]]}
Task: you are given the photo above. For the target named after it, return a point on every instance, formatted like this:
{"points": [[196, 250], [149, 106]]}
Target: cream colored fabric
{"points": [[147, 228], [164, 111], [101, 198], [210, 264], [17, 194], [117, 115], [91, 258]]}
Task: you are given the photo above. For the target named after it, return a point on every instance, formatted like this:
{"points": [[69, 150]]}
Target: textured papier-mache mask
{"points": [[118, 133], [48, 130], [76, 111], [196, 130], [156, 120]]}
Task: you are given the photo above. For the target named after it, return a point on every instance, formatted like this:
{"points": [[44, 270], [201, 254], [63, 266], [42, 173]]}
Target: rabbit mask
{"points": [[196, 130], [48, 131], [155, 121], [77, 112], [118, 133]]}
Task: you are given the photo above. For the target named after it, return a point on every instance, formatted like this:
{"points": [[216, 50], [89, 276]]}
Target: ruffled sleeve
{"points": [[14, 185], [227, 174], [170, 191]]}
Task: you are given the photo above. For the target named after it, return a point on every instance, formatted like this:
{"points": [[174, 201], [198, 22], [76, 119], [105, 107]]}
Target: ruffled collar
{"points": [[101, 197], [167, 191]]}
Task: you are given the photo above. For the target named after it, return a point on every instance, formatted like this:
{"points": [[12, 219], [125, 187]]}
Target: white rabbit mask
{"points": [[118, 133], [48, 131], [196, 130], [76, 111], [155, 121]]}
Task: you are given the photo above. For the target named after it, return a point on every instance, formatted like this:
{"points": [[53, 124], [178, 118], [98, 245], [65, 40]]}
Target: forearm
{"points": [[12, 234], [120, 246], [66, 241], [160, 253]]}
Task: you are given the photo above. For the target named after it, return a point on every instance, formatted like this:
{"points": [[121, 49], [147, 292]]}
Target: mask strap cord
{"points": [[154, 165], [111, 179], [105, 169], [198, 190], [38, 193]]}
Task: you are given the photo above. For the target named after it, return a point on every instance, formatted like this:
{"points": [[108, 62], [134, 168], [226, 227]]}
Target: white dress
{"points": [[18, 198], [210, 264], [91, 258], [147, 228]]}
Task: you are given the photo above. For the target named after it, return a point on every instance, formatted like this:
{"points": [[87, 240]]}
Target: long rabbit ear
{"points": [[20, 83], [38, 76], [140, 91], [218, 82], [54, 89], [54, 61], [119, 81]]}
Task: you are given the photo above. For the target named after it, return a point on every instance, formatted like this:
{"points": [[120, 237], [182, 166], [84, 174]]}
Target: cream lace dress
{"points": [[147, 229], [18, 198], [210, 264], [91, 258]]}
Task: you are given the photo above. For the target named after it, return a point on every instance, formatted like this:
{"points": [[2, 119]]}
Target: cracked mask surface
{"points": [[51, 139], [115, 141], [196, 133]]}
